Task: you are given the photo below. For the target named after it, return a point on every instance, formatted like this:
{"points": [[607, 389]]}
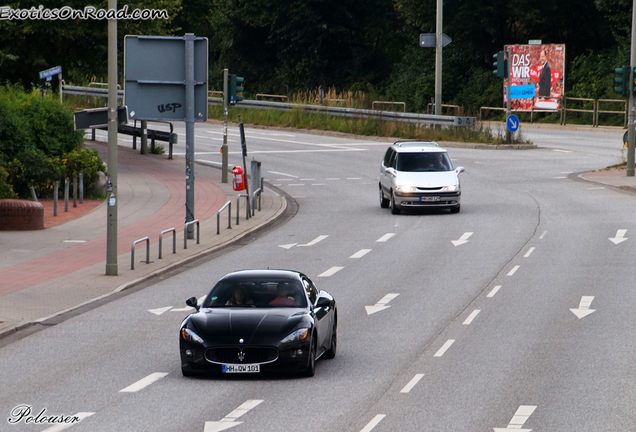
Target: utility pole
{"points": [[189, 123], [224, 151], [438, 59], [111, 224], [631, 114]]}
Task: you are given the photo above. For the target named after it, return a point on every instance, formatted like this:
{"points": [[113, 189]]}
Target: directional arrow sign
{"points": [[519, 419], [219, 426], [381, 305], [584, 307], [429, 40], [620, 236], [288, 246], [463, 239], [229, 420], [159, 311], [314, 241]]}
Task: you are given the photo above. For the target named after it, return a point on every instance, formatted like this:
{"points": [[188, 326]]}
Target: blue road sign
{"points": [[50, 72], [513, 123]]}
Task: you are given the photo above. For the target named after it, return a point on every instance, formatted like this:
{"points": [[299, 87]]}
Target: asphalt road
{"points": [[482, 328]]}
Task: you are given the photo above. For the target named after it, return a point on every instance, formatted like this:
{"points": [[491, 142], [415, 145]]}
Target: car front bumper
{"points": [[438, 200]]}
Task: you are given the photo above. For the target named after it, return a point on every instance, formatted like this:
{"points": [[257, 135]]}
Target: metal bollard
{"points": [[174, 240], [238, 200], [132, 252], [185, 232], [74, 190], [56, 193], [66, 182], [229, 217], [81, 187], [33, 194]]}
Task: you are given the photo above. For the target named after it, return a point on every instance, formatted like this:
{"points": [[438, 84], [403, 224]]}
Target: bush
{"points": [[87, 160], [6, 191]]}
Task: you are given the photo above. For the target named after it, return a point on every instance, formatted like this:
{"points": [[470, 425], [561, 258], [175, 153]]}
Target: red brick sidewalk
{"points": [[72, 213]]}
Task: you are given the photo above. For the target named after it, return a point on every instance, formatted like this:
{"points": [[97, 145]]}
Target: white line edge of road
{"points": [[144, 382], [373, 423]]}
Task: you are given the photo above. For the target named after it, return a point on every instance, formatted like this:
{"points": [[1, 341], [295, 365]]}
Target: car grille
{"points": [[232, 355]]}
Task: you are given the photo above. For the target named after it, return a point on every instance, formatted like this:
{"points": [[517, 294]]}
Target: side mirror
{"points": [[459, 170], [323, 302], [192, 302]]}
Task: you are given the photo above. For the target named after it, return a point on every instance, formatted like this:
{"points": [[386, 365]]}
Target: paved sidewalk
{"points": [[616, 178], [49, 272]]}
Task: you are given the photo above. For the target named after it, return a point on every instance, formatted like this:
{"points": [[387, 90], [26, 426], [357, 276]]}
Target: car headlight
{"points": [[298, 335], [404, 188], [451, 188], [191, 336]]}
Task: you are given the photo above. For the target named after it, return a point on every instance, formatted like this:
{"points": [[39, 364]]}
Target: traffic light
{"points": [[501, 65], [234, 86], [622, 81]]}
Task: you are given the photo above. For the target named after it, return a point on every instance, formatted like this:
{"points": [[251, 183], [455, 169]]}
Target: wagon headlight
{"points": [[405, 188], [451, 188], [298, 335], [191, 336]]}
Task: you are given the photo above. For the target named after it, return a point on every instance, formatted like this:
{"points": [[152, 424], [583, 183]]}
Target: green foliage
{"points": [[86, 160], [6, 190]]}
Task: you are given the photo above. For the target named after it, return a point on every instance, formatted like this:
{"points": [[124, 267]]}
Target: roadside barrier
{"points": [[185, 232], [229, 217], [132, 251], [174, 240]]}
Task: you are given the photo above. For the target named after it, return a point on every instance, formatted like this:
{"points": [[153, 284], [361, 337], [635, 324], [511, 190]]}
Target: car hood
{"points": [[246, 323], [427, 179]]}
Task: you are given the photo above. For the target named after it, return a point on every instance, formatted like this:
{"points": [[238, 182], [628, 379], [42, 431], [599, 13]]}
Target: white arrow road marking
{"points": [[519, 419], [385, 238], [360, 253], [185, 309], [60, 427], [373, 423], [463, 239], [444, 348], [471, 317], [229, 420], [584, 307], [331, 271], [494, 291], [144, 382], [159, 311], [288, 246], [407, 388], [381, 305], [314, 241], [620, 237]]}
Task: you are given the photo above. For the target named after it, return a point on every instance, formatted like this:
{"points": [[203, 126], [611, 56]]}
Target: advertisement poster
{"points": [[536, 77]]}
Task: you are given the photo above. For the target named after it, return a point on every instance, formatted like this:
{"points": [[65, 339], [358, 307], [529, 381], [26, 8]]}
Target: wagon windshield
{"points": [[253, 293]]}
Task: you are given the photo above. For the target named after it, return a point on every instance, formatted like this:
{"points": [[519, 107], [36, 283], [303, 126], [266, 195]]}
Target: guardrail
{"points": [[599, 111], [229, 217], [132, 251], [174, 240]]}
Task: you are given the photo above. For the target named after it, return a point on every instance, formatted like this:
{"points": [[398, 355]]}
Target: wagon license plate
{"points": [[241, 368], [429, 198]]}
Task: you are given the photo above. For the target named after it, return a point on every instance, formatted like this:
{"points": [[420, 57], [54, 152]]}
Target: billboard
{"points": [[536, 77]]}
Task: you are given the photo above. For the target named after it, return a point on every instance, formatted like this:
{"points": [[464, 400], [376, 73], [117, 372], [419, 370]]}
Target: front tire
{"points": [[384, 203], [394, 208], [311, 367], [455, 209]]}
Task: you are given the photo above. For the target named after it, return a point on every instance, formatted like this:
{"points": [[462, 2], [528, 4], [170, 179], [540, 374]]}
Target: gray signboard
{"points": [[154, 75], [98, 117], [428, 40]]}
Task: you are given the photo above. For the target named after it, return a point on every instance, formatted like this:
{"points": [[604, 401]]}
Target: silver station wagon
{"points": [[419, 174]]}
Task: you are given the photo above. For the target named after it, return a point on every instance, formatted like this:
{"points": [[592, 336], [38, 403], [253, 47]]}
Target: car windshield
{"points": [[254, 293], [421, 162]]}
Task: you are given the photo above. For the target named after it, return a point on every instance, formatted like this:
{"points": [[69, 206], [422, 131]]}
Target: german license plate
{"points": [[241, 368], [429, 198]]}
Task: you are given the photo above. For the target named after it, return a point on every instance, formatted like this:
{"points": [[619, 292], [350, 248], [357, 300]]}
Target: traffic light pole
{"points": [[631, 115], [224, 150]]}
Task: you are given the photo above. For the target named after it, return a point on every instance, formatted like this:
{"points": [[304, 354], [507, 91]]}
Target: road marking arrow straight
{"points": [[463, 239], [520, 417], [159, 311], [381, 305], [584, 307], [620, 237], [229, 420]]}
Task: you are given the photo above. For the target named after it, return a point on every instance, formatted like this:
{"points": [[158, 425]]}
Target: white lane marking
{"points": [[283, 174], [296, 184], [513, 271], [60, 427], [463, 239], [314, 241], [584, 307], [620, 237], [407, 388], [559, 177], [381, 305], [520, 417], [73, 241], [529, 252], [185, 309], [229, 420], [566, 172], [440, 352], [595, 188], [159, 311], [288, 246], [373, 423], [307, 179], [284, 180], [331, 271], [333, 178], [317, 184], [144, 382], [494, 291], [471, 317], [360, 253], [354, 178], [385, 237], [562, 151], [542, 235]]}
